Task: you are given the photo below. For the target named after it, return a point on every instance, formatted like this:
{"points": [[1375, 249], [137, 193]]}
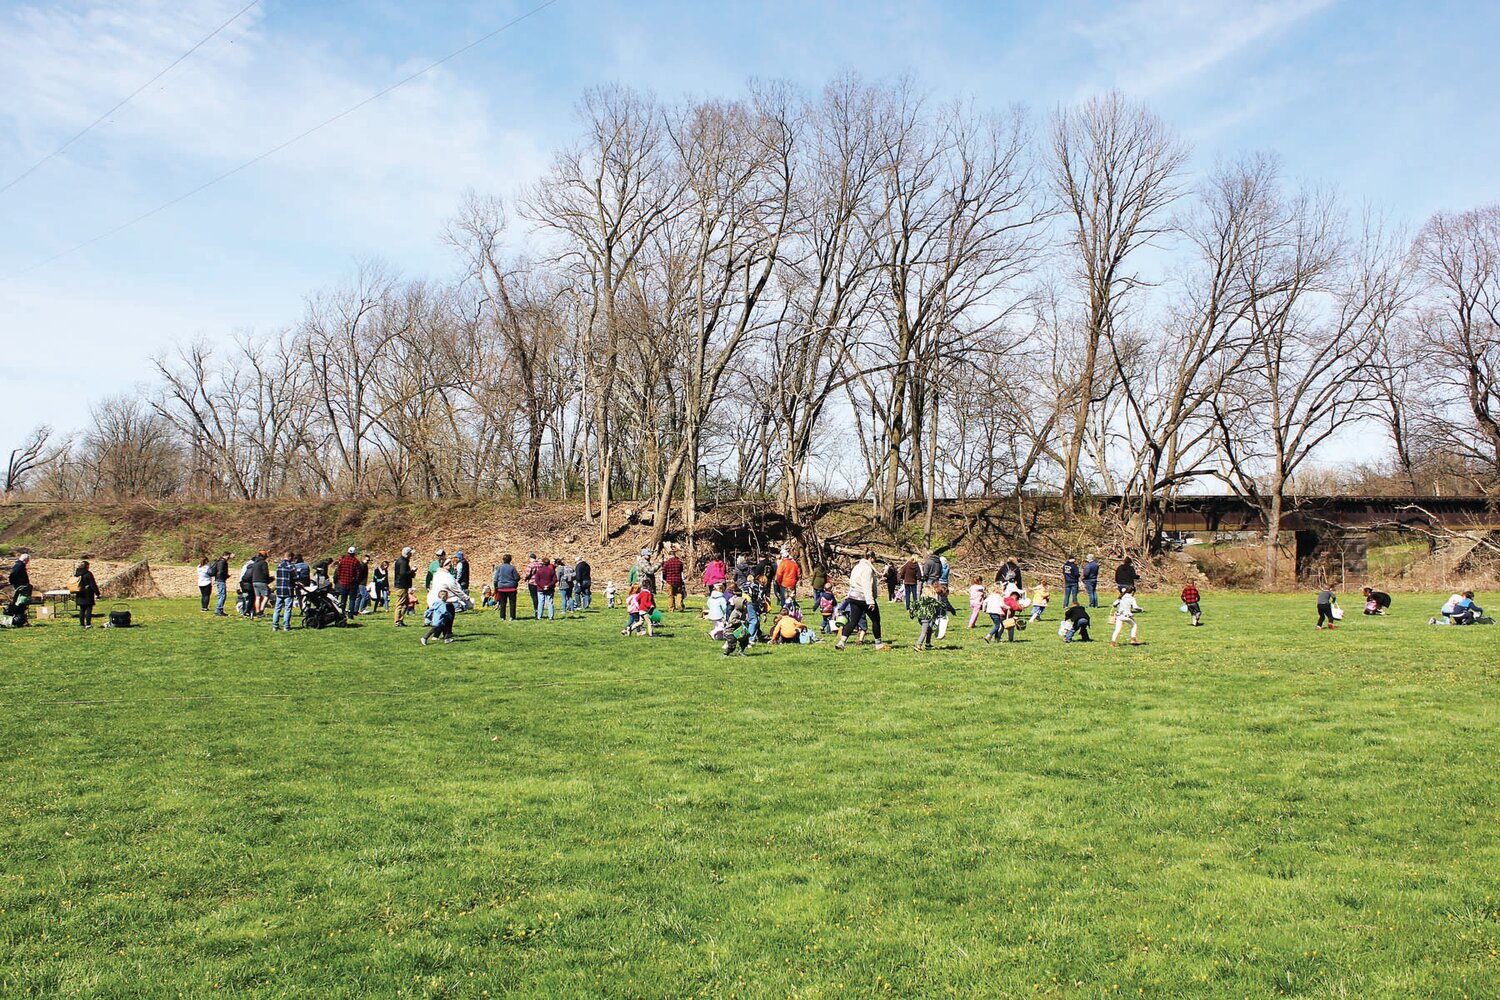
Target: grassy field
{"points": [[1249, 809]]}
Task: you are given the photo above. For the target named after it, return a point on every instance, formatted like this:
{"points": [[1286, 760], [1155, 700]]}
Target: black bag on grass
{"points": [[119, 616]]}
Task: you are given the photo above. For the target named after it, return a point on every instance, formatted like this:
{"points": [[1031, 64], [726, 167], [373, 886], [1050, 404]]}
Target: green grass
{"points": [[1248, 809]]}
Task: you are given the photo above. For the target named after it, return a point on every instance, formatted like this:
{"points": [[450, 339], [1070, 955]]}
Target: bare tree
{"points": [[1316, 304], [605, 198], [1459, 256], [1115, 171], [33, 456]]}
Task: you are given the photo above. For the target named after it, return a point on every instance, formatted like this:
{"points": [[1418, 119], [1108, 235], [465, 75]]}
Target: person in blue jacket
{"points": [[1091, 581], [1071, 574]]}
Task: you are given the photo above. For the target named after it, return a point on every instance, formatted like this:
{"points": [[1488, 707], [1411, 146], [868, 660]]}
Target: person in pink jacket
{"points": [[976, 600], [714, 573]]}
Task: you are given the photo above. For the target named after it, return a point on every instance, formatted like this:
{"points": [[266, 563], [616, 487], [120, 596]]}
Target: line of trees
{"points": [[861, 292]]}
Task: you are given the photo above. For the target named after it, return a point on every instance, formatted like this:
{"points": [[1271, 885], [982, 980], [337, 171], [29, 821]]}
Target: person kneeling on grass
{"points": [[1190, 604], [439, 618], [1377, 602], [788, 627], [1075, 624], [1125, 609], [1459, 609]]}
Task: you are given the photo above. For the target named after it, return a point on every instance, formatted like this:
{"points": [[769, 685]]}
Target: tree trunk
{"points": [[1273, 537]]}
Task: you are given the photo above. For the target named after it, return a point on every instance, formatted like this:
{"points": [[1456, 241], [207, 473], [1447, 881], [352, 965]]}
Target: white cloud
{"points": [[1150, 47]]}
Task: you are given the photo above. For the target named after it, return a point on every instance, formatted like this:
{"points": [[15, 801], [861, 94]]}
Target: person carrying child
{"points": [[1125, 609]]}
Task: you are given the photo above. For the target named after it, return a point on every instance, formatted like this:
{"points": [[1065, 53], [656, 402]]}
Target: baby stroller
{"points": [[319, 609], [13, 614]]}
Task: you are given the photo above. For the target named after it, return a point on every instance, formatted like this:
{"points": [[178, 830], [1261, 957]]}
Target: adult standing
{"points": [[380, 577], [505, 582], [645, 572], [20, 576], [545, 581], [672, 576], [345, 580], [362, 587], [714, 573], [461, 571], [260, 581], [87, 592], [741, 574], [583, 583], [1071, 574], [205, 582], [564, 585], [437, 564], [862, 594], [286, 593], [911, 579], [819, 583], [1010, 574], [221, 581], [87, 595], [402, 578], [530, 579], [1126, 576], [1091, 580], [932, 571], [892, 577], [788, 575]]}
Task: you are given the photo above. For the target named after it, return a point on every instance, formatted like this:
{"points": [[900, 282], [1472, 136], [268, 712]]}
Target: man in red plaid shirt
{"points": [[1190, 598], [671, 575]]}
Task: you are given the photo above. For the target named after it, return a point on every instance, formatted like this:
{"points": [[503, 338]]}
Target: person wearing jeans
{"points": [[545, 581], [286, 594], [220, 573], [1091, 581], [1071, 574]]}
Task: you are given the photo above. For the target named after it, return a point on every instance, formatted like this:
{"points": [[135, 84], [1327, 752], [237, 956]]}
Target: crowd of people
{"points": [[757, 599]]}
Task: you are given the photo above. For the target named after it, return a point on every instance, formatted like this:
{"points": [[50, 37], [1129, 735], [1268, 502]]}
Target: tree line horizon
{"points": [[860, 292]]}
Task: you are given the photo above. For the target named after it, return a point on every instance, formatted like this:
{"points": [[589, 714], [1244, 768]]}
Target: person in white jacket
{"points": [[1125, 609], [862, 594]]}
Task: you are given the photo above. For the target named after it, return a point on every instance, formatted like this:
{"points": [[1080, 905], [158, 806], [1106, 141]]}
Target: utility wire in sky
{"points": [[128, 98], [283, 145]]}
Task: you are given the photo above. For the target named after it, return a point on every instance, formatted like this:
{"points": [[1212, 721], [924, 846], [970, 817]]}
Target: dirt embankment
{"points": [[976, 536]]}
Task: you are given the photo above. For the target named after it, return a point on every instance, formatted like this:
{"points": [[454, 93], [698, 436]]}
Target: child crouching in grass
{"points": [[440, 614]]}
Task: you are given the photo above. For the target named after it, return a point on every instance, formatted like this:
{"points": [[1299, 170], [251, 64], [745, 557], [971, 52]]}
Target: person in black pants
{"points": [[88, 594], [440, 617]]}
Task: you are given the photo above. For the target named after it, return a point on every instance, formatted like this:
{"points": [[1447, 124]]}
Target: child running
{"points": [[1040, 595], [994, 606], [1125, 609], [929, 610], [1190, 601], [976, 600]]}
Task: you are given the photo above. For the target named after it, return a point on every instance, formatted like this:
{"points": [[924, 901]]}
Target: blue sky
{"points": [[1391, 103]]}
